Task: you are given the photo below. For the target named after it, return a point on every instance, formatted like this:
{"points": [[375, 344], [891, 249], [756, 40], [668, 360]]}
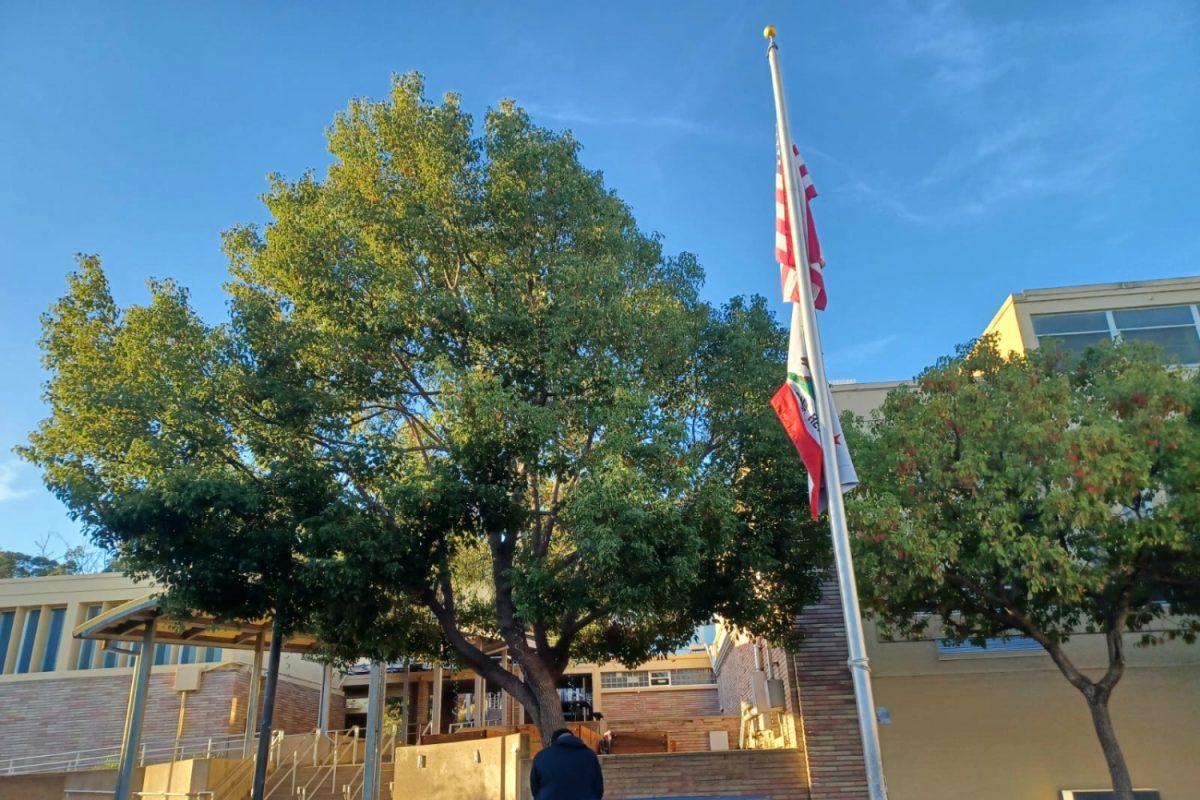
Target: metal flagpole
{"points": [[860, 671]]}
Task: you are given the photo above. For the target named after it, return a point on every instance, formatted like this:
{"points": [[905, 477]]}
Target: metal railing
{"points": [[354, 789], [288, 773], [105, 757]]}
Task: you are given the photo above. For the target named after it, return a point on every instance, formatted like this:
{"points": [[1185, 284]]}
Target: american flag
{"points": [[783, 238]]}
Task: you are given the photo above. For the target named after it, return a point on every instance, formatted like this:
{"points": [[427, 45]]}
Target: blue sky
{"points": [[963, 151]]}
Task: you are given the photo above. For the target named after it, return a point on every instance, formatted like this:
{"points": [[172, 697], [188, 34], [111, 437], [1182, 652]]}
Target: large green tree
{"points": [[1037, 495], [461, 399]]}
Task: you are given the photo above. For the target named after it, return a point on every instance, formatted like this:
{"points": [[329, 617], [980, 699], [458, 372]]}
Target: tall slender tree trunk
{"points": [[1122, 783], [1097, 694]]}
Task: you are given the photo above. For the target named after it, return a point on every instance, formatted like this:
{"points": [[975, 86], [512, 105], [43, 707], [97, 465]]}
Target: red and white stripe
{"points": [[783, 237]]}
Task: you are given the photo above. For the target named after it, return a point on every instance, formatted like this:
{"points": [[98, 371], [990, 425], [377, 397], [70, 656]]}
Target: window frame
{"points": [[1115, 332], [8, 623], [25, 655], [55, 626]]}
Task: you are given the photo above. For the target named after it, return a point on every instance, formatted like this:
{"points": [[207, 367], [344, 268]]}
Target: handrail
{"points": [[312, 749], [354, 790], [90, 758]]}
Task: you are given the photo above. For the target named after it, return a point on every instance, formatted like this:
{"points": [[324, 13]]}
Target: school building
{"points": [[990, 723]]}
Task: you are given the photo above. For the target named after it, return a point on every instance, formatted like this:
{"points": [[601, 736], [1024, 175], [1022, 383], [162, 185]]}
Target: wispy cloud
{"points": [[862, 351], [964, 56], [572, 116], [980, 189], [1030, 106], [8, 479], [993, 146]]}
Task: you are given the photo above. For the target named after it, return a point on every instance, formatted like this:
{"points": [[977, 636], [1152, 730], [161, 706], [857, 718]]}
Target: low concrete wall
{"points": [[33, 787], [670, 702], [53, 785], [766, 774], [482, 769], [689, 735], [229, 777]]}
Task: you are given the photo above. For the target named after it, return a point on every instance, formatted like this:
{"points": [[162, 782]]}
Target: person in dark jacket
{"points": [[566, 770]]}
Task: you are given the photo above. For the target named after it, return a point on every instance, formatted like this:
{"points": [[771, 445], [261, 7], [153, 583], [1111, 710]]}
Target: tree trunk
{"points": [[1097, 694], [1122, 784], [547, 710]]}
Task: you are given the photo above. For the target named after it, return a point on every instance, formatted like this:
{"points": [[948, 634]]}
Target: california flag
{"points": [[795, 403]]}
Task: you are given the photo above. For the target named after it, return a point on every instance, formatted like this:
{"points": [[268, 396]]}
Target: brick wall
{"points": [[295, 703], [54, 716], [734, 686], [690, 734], [826, 700], [660, 703], [84, 713], [296, 708], [733, 681], [771, 774]]}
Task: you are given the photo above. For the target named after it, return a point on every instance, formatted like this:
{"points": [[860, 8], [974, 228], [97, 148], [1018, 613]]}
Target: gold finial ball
{"points": [[769, 32]]}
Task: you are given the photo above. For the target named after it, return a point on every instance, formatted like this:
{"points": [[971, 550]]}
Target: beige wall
{"points": [[1018, 735], [1007, 324], [1014, 319], [1009, 724], [612, 702], [76, 593], [481, 769], [861, 398]]}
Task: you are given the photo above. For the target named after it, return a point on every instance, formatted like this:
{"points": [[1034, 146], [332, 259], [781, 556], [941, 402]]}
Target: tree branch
{"points": [[472, 655], [998, 610]]}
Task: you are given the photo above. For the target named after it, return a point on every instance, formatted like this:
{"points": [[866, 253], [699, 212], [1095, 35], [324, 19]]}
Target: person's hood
{"points": [[570, 740]]}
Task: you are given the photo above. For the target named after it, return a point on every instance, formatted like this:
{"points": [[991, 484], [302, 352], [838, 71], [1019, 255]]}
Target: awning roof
{"points": [[127, 623]]}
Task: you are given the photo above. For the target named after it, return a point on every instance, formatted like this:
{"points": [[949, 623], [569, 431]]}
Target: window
{"points": [[87, 648], [58, 617], [664, 677], [162, 654], [1074, 332], [212, 655], [624, 680], [1010, 644], [110, 659], [1176, 329], [7, 618], [1173, 328], [28, 636], [692, 677]]}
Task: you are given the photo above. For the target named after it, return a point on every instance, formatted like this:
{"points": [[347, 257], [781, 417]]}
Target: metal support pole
{"points": [[323, 708], [264, 731], [252, 699], [439, 678], [134, 713], [480, 701], [376, 689], [804, 312], [505, 697]]}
